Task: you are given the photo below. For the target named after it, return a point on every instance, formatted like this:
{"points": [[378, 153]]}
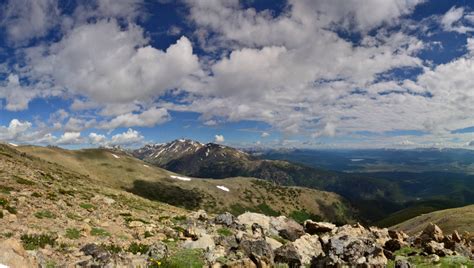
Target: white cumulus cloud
{"points": [[219, 138], [127, 138]]}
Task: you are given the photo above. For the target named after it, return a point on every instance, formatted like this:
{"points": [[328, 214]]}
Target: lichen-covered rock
{"points": [[257, 249], [226, 219], [352, 245], [288, 254]]}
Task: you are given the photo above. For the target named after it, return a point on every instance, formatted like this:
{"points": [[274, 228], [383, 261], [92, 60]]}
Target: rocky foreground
{"points": [[251, 240]]}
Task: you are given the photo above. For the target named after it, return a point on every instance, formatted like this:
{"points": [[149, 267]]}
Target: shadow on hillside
{"points": [[170, 194]]}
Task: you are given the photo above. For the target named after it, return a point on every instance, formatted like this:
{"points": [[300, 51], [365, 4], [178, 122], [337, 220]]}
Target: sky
{"points": [[265, 73]]}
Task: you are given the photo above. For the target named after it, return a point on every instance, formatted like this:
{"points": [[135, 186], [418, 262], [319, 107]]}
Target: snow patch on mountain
{"points": [[180, 178], [223, 188]]}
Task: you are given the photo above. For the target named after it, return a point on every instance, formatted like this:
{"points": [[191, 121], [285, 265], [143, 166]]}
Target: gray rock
{"points": [[288, 254], [257, 249], [352, 246], [226, 219], [403, 264], [204, 242], [158, 251], [228, 242], [258, 231], [96, 252]]}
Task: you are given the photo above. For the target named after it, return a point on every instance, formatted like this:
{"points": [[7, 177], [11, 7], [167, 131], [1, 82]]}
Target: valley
{"points": [[381, 198]]}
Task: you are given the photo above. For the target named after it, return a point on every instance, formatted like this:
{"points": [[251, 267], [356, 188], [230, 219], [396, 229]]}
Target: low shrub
{"points": [[35, 241]]}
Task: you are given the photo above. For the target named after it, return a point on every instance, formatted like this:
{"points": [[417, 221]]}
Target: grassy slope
{"points": [[460, 219], [155, 183]]}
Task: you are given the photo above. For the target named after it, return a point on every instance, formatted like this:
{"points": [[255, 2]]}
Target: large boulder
{"points": [[97, 252], [381, 235], [288, 254], [226, 219], [312, 227], [432, 232], [205, 242], [352, 245], [249, 218], [287, 228], [301, 251], [434, 247], [258, 250], [397, 235], [12, 254], [274, 244]]}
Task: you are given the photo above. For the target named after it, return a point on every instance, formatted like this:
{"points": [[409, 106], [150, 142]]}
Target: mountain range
{"points": [[384, 197]]}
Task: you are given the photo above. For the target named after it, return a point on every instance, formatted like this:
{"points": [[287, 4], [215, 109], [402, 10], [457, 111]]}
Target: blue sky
{"points": [[298, 73]]}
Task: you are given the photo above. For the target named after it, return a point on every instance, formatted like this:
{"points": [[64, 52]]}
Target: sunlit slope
{"points": [[460, 219], [120, 171]]}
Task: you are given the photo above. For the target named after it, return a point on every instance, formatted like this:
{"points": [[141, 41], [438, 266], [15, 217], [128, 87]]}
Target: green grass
{"points": [[224, 231], [44, 214], [95, 231], [5, 189], [409, 213], [87, 206], [66, 192], [279, 239], [112, 248], [136, 248], [424, 262], [3, 202], [35, 241], [73, 233], [23, 181], [73, 216], [189, 258], [7, 234], [147, 234], [178, 219], [301, 215], [267, 210]]}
